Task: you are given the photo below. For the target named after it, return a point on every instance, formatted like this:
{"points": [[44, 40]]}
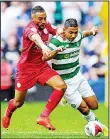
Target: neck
{"points": [[63, 36]]}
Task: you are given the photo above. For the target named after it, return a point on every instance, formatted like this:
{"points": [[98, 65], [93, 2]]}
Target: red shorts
{"points": [[27, 79]]}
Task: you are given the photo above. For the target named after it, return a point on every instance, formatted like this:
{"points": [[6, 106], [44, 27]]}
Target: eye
{"points": [[45, 18], [76, 32], [40, 18], [71, 32]]}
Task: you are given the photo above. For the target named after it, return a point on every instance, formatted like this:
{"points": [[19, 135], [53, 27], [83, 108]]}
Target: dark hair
{"points": [[71, 22], [37, 9]]}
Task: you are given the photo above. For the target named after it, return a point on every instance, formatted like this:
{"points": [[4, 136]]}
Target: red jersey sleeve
{"points": [[29, 31], [51, 28]]}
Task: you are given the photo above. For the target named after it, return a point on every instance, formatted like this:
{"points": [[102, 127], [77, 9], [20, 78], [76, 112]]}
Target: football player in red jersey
{"points": [[31, 68]]}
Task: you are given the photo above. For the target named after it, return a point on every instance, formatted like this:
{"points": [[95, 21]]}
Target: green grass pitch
{"points": [[68, 122]]}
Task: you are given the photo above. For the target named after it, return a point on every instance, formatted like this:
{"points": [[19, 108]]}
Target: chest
{"points": [[72, 50], [72, 45], [44, 34]]}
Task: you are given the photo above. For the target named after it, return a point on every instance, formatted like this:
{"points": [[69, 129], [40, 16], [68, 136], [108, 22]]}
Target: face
{"points": [[40, 19], [71, 33]]}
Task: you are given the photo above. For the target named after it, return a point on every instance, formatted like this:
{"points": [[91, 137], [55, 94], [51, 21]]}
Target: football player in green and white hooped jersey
{"points": [[66, 62]]}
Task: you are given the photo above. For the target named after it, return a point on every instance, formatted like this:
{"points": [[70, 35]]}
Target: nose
{"points": [[43, 21], [73, 36]]}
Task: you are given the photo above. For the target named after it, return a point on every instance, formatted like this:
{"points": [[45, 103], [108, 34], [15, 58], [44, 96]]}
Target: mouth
{"points": [[42, 26], [71, 39]]}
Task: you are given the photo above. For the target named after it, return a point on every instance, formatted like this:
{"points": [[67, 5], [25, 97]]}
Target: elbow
{"points": [[44, 59]]}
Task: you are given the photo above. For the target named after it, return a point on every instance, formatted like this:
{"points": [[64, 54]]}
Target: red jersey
{"points": [[31, 54]]}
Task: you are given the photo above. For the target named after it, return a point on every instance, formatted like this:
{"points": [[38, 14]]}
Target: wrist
{"points": [[56, 50], [43, 46], [93, 32]]}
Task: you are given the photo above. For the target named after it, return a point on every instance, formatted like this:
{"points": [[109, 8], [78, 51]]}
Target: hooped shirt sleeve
{"points": [[82, 35], [54, 43]]}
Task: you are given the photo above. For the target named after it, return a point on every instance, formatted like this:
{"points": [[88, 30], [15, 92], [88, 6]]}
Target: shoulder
{"points": [[79, 37], [81, 34], [57, 40], [31, 26], [54, 43], [51, 28], [30, 29], [49, 25]]}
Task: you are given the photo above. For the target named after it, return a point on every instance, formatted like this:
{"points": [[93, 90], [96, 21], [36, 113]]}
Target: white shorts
{"points": [[77, 88]]}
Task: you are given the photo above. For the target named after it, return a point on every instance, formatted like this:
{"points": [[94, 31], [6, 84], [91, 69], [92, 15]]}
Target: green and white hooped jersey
{"points": [[66, 63]]}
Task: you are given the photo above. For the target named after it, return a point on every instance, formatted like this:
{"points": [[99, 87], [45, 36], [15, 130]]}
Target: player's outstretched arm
{"points": [[93, 32], [52, 54], [38, 41]]}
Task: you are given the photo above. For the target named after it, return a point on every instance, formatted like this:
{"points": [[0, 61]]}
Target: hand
{"points": [[94, 30], [45, 50], [60, 49], [60, 32]]}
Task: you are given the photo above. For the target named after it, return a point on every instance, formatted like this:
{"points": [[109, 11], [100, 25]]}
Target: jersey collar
{"points": [[75, 40]]}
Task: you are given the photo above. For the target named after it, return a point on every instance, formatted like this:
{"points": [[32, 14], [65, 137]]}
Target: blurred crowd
{"points": [[16, 15]]}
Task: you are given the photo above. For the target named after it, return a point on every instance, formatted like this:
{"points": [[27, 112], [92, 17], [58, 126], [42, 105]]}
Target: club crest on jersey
{"points": [[73, 105], [66, 56], [45, 31], [34, 29]]}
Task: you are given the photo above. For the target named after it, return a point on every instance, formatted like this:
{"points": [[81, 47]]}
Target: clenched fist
{"points": [[94, 30]]}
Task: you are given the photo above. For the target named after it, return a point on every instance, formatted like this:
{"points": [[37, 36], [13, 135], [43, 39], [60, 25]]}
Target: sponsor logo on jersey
{"points": [[70, 55], [73, 54], [18, 85]]}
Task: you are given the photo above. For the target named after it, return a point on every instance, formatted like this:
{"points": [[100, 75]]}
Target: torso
{"points": [[31, 54], [66, 63]]}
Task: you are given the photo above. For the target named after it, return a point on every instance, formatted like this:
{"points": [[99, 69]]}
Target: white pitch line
{"points": [[37, 132]]}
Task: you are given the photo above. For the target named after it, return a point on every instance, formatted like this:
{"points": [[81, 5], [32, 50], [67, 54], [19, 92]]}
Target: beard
{"points": [[41, 27]]}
